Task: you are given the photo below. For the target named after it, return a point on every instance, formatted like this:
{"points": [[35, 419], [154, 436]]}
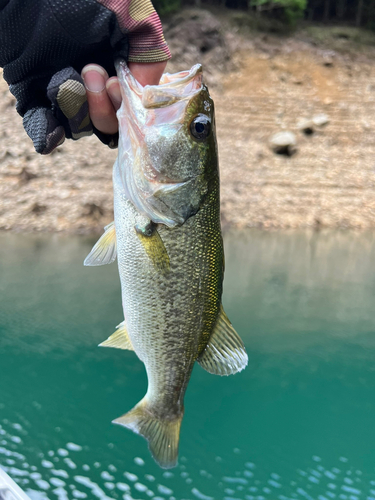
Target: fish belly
{"points": [[169, 313]]}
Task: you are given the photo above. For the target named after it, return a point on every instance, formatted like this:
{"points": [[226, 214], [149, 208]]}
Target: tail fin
{"points": [[162, 435]]}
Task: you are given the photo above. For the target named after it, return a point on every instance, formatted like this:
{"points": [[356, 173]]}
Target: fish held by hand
{"points": [[167, 239]]}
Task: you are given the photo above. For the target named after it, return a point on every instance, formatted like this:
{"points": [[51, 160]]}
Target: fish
{"points": [[167, 239]]}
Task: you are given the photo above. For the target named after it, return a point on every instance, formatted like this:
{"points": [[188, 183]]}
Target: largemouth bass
{"points": [[167, 238]]}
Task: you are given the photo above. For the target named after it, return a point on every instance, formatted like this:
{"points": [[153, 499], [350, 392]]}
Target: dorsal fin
{"points": [[105, 249], [120, 339], [225, 353]]}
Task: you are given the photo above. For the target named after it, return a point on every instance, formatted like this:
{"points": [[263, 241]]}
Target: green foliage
{"points": [[281, 15], [165, 7], [294, 10], [288, 11], [248, 22]]}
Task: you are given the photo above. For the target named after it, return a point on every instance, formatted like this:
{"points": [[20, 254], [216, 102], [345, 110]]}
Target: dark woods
{"points": [[351, 12]]}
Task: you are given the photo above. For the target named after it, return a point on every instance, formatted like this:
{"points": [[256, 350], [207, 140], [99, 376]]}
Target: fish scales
{"points": [[164, 332], [167, 238]]}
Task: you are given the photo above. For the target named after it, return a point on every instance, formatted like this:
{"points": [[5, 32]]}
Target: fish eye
{"points": [[200, 127]]}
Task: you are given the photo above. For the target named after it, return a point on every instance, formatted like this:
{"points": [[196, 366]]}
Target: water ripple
{"points": [[41, 477]]}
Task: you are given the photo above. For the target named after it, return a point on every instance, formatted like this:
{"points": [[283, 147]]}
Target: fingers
{"points": [[102, 111], [103, 93], [43, 129], [68, 96], [114, 92]]}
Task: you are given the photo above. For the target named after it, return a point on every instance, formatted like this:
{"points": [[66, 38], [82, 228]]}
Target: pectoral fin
{"points": [[225, 353], [153, 246], [120, 339], [105, 249]]}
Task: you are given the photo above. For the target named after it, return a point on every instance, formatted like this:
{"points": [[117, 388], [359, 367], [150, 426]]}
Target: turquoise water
{"points": [[298, 423]]}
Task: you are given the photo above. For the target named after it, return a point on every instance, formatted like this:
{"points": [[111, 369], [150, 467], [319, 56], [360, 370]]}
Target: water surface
{"points": [[298, 423]]}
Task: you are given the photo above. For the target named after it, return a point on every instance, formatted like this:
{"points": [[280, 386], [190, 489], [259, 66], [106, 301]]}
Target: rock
{"points": [[306, 126], [328, 58], [365, 125], [25, 175], [328, 61], [320, 120], [93, 210], [283, 77], [38, 209], [283, 143]]}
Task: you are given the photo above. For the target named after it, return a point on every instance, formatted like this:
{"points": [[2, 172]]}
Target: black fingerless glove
{"points": [[44, 44]]}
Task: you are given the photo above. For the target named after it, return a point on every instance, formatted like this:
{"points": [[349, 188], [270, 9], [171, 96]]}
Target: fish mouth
{"points": [[173, 88], [163, 107]]}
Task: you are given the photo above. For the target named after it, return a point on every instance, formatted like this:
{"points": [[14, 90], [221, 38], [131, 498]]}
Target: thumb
{"points": [[67, 94]]}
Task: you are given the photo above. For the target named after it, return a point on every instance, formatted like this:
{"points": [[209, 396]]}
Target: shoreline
{"points": [[261, 87]]}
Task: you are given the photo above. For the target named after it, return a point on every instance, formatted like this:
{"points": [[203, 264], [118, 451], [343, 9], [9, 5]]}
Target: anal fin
{"points": [[105, 249], [225, 353], [120, 339]]}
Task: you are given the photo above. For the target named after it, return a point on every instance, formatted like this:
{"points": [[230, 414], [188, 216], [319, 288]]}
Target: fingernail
{"points": [[94, 78], [114, 92]]}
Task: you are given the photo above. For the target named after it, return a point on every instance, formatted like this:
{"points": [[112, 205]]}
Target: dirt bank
{"points": [[261, 84]]}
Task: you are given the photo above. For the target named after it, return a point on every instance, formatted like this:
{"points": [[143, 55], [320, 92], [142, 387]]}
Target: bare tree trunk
{"points": [[258, 9], [341, 9], [358, 18], [326, 10], [370, 14]]}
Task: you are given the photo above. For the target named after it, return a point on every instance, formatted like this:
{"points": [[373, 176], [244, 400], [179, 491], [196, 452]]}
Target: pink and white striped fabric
{"points": [[140, 21]]}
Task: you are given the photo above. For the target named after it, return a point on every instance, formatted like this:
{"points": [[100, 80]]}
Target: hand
{"points": [[104, 95], [45, 44]]}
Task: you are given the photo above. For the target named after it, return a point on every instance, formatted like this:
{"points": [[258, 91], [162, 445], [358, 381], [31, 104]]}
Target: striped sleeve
{"points": [[140, 21]]}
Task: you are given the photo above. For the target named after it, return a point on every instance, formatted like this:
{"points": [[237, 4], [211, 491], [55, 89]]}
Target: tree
{"points": [[291, 10], [358, 17], [327, 5], [164, 7]]}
